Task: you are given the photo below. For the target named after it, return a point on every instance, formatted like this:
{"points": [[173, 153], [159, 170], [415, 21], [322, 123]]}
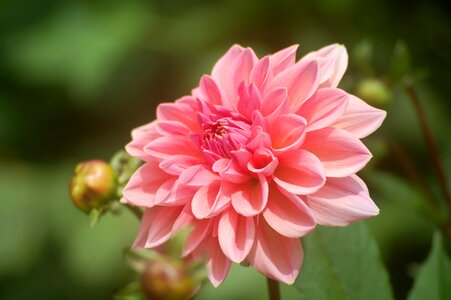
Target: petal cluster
{"points": [[259, 153]]}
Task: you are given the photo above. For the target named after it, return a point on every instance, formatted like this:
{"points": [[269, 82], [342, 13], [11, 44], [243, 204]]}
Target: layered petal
{"points": [[287, 214], [342, 201], [218, 265], [300, 172], [341, 153], [210, 200], [333, 61], [326, 106], [167, 146], [301, 82], [181, 111], [286, 131], [283, 59], [141, 136], [235, 235], [359, 118], [144, 184], [250, 198], [275, 255], [172, 193], [232, 69]]}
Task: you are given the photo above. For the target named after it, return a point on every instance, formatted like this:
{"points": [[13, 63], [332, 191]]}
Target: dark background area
{"points": [[77, 76]]}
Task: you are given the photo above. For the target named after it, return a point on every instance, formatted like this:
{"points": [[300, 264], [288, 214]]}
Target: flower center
{"points": [[223, 135]]}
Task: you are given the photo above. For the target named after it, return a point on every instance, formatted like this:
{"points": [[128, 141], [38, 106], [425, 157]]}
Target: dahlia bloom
{"points": [[259, 153]]}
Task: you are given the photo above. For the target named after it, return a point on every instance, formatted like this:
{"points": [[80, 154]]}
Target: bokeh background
{"points": [[77, 76]]}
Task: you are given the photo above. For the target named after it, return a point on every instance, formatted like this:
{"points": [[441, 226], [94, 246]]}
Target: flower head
{"points": [[258, 154]]}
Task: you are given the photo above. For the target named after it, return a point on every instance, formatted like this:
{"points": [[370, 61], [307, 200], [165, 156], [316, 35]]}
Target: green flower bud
{"points": [[373, 91], [167, 279], [94, 184]]}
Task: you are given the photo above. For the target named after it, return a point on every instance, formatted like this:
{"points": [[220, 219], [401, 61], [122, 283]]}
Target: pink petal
{"points": [[249, 199], [275, 255], [249, 100], [287, 214], [146, 221], [169, 128], [199, 229], [210, 200], [324, 108], [283, 59], [333, 61], [176, 164], [141, 136], [143, 185], [167, 146], [286, 131], [160, 220], [198, 176], [263, 162], [172, 193], [229, 170], [260, 74], [359, 118], [275, 102], [182, 111], [210, 91], [300, 172], [342, 201], [235, 235], [341, 153], [301, 82], [218, 264], [231, 69]]}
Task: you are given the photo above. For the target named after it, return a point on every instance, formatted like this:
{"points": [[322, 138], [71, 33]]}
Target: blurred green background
{"points": [[77, 76]]}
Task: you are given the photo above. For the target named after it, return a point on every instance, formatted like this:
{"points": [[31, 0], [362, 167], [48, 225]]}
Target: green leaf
{"points": [[434, 279], [343, 263]]}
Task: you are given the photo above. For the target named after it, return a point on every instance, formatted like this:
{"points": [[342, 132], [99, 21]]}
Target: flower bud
{"points": [[93, 185], [167, 279], [373, 91]]}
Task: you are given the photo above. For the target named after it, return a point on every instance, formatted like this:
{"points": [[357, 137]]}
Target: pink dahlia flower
{"points": [[257, 155]]}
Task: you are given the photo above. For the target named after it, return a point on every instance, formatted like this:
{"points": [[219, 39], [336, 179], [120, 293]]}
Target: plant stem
{"points": [[273, 289], [430, 144], [135, 210]]}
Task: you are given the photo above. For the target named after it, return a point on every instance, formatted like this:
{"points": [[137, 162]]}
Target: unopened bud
{"points": [[93, 185], [374, 92], [167, 279]]}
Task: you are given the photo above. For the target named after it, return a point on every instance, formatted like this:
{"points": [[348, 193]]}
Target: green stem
{"points": [[431, 146], [135, 210], [273, 289]]}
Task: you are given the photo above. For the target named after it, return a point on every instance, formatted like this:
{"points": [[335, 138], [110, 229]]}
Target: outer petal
{"points": [[333, 61], [288, 214], [341, 153], [210, 91], [156, 226], [342, 201], [198, 176], [275, 102], [141, 136], [283, 59], [301, 81], [172, 193], [167, 146], [210, 200], [218, 264], [144, 184], [324, 108], [229, 170], [176, 164], [300, 172], [200, 229], [359, 118], [286, 131], [276, 256], [182, 111], [260, 74], [235, 235], [249, 199], [231, 69]]}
